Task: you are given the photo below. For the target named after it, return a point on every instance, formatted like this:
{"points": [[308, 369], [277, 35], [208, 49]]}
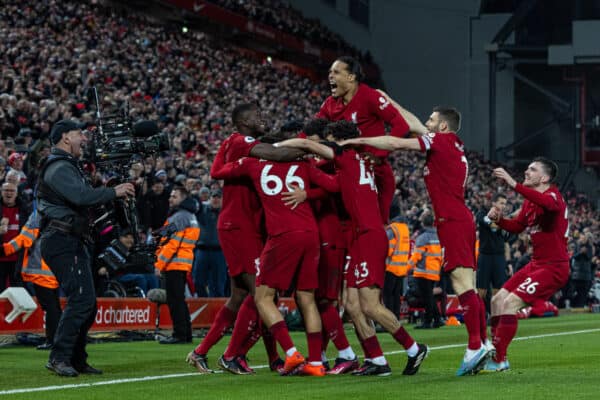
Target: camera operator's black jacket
{"points": [[72, 193]]}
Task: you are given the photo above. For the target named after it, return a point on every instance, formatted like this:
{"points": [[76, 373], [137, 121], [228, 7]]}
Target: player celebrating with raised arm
{"points": [[368, 251], [545, 212], [446, 172], [370, 110]]}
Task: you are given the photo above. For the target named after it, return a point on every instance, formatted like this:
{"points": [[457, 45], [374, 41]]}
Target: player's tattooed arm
{"points": [[413, 122], [269, 152], [385, 143]]}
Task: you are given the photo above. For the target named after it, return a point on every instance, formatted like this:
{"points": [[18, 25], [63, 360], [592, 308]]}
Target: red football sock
{"points": [[314, 340], [482, 320], [333, 326], [403, 338], [280, 332], [505, 332], [372, 347], [246, 326], [325, 340], [223, 321], [469, 301], [495, 320], [362, 345], [270, 344]]}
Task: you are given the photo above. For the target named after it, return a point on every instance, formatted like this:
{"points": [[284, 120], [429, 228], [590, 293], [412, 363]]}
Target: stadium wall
{"points": [[431, 54]]}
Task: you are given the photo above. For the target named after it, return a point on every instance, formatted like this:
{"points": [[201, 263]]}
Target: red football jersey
{"points": [[329, 210], [357, 185], [241, 207], [546, 216], [445, 174], [270, 180], [369, 110]]}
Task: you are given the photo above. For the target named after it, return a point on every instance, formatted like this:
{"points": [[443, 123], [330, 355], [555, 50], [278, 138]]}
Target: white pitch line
{"points": [[157, 377]]}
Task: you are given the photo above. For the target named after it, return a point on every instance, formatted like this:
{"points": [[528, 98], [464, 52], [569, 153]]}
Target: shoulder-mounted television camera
{"points": [[116, 139]]}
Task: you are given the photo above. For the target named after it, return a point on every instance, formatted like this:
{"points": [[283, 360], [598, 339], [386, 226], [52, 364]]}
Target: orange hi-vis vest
{"points": [[35, 269], [177, 253], [398, 250], [476, 250], [428, 257]]}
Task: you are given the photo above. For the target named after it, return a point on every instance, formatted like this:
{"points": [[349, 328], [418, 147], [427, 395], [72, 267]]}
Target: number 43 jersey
{"points": [[270, 180]]}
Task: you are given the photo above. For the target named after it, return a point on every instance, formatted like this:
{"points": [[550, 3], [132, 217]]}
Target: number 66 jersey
{"points": [[292, 248], [271, 179]]}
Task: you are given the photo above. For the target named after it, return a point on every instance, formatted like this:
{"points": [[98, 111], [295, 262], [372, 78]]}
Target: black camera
{"points": [[116, 139], [114, 256]]}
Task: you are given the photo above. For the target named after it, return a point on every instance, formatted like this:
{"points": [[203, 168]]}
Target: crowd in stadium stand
{"points": [[52, 52], [283, 17]]}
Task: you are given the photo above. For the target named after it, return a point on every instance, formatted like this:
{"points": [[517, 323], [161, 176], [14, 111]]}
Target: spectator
{"points": [[210, 269], [581, 271], [13, 216]]}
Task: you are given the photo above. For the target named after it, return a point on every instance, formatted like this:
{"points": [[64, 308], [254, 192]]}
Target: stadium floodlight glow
{"points": [[269, 59], [184, 29]]}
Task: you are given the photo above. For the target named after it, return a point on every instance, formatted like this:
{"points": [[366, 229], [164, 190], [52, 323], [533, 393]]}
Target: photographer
{"points": [[63, 198], [126, 270]]}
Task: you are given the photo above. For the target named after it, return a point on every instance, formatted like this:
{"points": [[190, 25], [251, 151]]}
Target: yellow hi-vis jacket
{"points": [[177, 253], [427, 258], [398, 250], [35, 269]]}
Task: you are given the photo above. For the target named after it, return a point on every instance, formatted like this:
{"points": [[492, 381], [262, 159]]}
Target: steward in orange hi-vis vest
{"points": [[177, 253], [34, 269], [399, 249], [427, 258], [175, 258]]}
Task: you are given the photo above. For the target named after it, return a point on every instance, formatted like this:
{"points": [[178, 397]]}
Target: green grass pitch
{"points": [[552, 358]]}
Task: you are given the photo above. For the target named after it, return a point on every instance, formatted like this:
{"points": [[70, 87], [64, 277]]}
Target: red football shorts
{"points": [[537, 282], [367, 259], [331, 268], [288, 257], [458, 241], [241, 250]]}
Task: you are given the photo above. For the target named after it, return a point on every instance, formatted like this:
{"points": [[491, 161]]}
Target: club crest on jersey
{"points": [[353, 117], [249, 139], [384, 103], [431, 134]]}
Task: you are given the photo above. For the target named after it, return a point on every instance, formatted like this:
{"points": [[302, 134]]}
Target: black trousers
{"points": [[581, 288], [392, 291], [8, 273], [69, 259], [50, 303], [432, 312], [180, 314]]}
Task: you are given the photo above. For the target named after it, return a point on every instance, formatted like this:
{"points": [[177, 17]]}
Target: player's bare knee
{"points": [[369, 310]]}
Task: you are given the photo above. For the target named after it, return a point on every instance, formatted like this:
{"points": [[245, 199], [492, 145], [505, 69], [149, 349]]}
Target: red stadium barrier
{"points": [[127, 314], [140, 314]]}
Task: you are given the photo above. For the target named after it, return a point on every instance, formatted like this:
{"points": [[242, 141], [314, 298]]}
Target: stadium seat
{"points": [[21, 301]]}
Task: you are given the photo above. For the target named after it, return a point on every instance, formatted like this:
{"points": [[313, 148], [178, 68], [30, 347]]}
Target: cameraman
{"points": [[63, 198]]}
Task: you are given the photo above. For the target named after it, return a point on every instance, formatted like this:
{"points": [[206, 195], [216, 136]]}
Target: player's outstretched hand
{"points": [[501, 173]]}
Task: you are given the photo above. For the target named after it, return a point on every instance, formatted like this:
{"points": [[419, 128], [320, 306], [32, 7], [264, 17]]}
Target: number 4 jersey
{"points": [[357, 185], [270, 180]]}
